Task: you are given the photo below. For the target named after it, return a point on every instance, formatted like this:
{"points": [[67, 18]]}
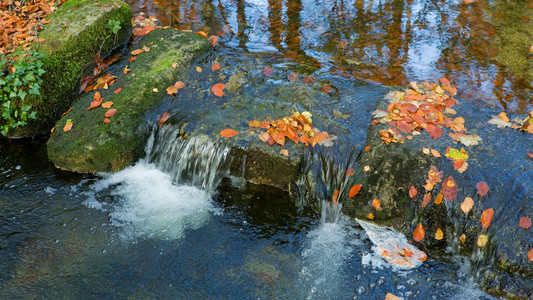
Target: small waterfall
{"points": [[191, 160]]}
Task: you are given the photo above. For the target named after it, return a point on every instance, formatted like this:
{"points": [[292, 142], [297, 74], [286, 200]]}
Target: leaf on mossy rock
{"points": [[218, 89], [412, 192], [354, 190], [68, 126], [109, 113]]}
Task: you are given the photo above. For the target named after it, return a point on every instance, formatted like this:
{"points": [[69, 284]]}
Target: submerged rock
{"points": [[77, 32], [91, 145]]}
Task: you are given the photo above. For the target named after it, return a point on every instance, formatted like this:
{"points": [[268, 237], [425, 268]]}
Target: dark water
{"points": [[484, 48]]}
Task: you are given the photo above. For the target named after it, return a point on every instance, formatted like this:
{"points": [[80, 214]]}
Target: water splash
{"points": [[194, 160]]}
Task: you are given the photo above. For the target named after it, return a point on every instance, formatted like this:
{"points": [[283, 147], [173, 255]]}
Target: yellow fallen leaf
{"points": [[482, 240], [155, 90], [462, 238], [439, 234], [284, 152], [467, 205], [370, 216], [198, 69]]}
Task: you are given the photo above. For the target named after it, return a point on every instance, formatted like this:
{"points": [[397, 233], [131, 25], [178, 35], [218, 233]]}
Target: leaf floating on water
{"points": [[482, 188], [354, 190], [376, 203], [499, 122], [162, 119], [228, 133], [426, 200], [198, 69], [412, 192], [327, 89], [215, 67], [482, 240], [110, 112], [390, 296], [335, 197], [503, 116], [267, 71], [449, 189], [530, 155], [68, 125], [462, 238], [439, 234], [435, 153], [218, 89], [419, 233], [525, 222], [254, 123], [467, 205], [486, 217], [425, 151]]}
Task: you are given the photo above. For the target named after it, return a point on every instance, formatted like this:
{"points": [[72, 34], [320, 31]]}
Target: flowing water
{"points": [[142, 233]]}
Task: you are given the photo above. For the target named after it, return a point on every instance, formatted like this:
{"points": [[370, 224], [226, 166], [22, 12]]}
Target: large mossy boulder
{"points": [[92, 146], [500, 159], [77, 32]]}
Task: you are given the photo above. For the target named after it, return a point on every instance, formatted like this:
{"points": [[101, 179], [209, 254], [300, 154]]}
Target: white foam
{"points": [[148, 204]]}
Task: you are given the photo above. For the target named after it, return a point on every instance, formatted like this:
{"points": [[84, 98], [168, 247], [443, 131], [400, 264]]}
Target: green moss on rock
{"points": [[92, 146], [77, 32]]}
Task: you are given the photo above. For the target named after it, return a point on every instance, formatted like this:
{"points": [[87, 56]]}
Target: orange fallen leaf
{"points": [[126, 70], [425, 151], [354, 190], [350, 172], [462, 238], [109, 113], [426, 200], [284, 152], [228, 133], [467, 205], [254, 123], [67, 112], [146, 49], [391, 296], [137, 52], [449, 189], [438, 199], [412, 192], [435, 153], [106, 120], [525, 222], [367, 148], [107, 104], [68, 126], [370, 216], [172, 90], [117, 91], [132, 58], [218, 89], [376, 203], [482, 188], [335, 197], [486, 217], [97, 96], [327, 89], [215, 67], [439, 234], [94, 104], [503, 116], [202, 33], [530, 255], [293, 77], [213, 39], [163, 118], [419, 233], [530, 155], [267, 71], [174, 65]]}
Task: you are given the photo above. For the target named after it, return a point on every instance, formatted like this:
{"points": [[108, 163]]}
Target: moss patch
{"points": [[92, 146], [69, 51]]}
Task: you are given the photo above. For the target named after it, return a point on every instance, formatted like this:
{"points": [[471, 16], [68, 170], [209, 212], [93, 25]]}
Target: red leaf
{"points": [[350, 172], [117, 91], [110, 113], [162, 119], [213, 39], [419, 233], [530, 155], [354, 190], [327, 89], [449, 189], [228, 133], [482, 188], [486, 217], [267, 71], [218, 89], [215, 67], [530, 255], [525, 222], [412, 192], [376, 203], [425, 201]]}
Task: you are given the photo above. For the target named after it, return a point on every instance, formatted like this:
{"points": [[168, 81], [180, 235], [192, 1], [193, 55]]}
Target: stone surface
{"points": [[70, 50], [91, 146]]}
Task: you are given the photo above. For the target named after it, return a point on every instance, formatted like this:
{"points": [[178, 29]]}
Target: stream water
{"points": [[174, 226], [140, 233]]}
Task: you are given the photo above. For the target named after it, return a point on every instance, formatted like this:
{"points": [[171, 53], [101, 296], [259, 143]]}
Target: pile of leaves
{"points": [[422, 107], [20, 22], [297, 128]]}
